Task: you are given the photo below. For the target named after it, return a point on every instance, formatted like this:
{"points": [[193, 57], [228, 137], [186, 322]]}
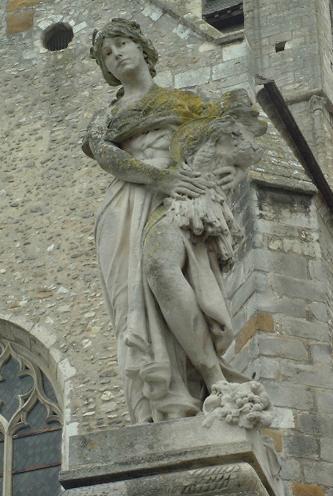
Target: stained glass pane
{"points": [[37, 417], [48, 389], [1, 460], [11, 386], [37, 447], [1, 453], [37, 451], [36, 420], [37, 483]]}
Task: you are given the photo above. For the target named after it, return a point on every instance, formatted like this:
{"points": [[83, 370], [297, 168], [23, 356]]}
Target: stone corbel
{"points": [[318, 105]]}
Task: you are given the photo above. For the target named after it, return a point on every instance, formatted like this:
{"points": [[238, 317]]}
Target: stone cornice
{"points": [[189, 14]]}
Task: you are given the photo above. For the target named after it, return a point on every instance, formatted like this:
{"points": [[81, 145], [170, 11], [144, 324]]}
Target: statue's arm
{"points": [[117, 161], [127, 168]]}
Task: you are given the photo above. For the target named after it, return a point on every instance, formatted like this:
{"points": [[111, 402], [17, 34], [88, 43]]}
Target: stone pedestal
{"points": [[178, 457]]}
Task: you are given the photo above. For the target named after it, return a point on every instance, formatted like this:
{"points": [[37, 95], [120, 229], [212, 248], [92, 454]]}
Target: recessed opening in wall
{"points": [[57, 36], [280, 46], [223, 14]]}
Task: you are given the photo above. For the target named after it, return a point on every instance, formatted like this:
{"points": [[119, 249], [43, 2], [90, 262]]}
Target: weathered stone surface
{"points": [[260, 322], [19, 22], [281, 263], [291, 469], [192, 78], [289, 286], [307, 490], [316, 425], [277, 438], [325, 401], [20, 4], [319, 473], [299, 445], [150, 450], [326, 449], [230, 479], [294, 396], [284, 347], [310, 331]]}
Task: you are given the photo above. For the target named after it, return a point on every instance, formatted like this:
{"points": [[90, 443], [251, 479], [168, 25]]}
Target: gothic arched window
{"points": [[30, 427]]}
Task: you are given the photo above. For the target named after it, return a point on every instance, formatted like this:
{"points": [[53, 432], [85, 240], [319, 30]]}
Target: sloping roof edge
{"points": [[277, 109]]}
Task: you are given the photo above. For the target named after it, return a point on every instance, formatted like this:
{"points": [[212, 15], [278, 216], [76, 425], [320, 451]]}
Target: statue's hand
{"points": [[178, 184], [229, 176]]}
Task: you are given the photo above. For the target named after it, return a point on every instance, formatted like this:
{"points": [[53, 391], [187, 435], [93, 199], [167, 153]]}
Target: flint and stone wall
{"points": [[281, 292]]}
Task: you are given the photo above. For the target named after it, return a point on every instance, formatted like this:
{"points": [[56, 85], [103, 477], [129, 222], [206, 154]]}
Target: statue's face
{"points": [[122, 57]]}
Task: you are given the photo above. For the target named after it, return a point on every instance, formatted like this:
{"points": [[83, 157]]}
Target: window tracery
{"points": [[30, 427]]}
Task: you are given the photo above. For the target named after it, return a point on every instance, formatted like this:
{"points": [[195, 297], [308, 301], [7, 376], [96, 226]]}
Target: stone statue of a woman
{"points": [[165, 231]]}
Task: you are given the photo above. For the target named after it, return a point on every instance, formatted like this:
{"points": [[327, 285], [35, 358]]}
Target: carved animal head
{"points": [[228, 136], [210, 143]]}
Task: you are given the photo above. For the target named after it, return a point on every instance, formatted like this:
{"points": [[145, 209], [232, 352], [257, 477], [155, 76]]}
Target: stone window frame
{"points": [[40, 344], [48, 356], [33, 363]]}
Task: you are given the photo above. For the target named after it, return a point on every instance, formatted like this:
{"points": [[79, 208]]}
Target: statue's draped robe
{"points": [[159, 380]]}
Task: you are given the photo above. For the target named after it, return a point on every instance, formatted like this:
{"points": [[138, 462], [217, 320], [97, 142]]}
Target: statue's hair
{"points": [[127, 29]]}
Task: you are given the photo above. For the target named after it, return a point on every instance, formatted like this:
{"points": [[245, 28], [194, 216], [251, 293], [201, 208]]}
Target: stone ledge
{"points": [[154, 449], [213, 480], [281, 182]]}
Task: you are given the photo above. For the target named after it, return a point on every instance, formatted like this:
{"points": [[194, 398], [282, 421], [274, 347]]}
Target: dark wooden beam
{"points": [[272, 93]]}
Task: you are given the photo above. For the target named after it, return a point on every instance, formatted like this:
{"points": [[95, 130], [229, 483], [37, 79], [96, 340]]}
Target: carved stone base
{"points": [[171, 458], [219, 480]]}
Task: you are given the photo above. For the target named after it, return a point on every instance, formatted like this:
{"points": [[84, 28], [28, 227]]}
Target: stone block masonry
{"points": [[286, 343]]}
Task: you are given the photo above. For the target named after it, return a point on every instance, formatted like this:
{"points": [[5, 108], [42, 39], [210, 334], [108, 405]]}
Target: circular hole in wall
{"points": [[57, 36]]}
